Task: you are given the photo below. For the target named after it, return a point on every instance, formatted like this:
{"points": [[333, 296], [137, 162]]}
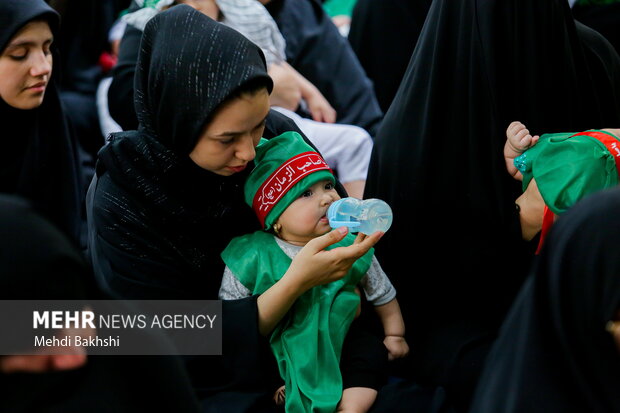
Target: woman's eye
{"points": [[227, 141], [18, 57]]}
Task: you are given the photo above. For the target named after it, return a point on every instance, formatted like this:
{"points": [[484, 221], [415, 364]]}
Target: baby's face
{"points": [[306, 217], [532, 207]]}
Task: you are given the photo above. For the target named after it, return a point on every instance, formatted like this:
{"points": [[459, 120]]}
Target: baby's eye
{"points": [[306, 194], [329, 186]]}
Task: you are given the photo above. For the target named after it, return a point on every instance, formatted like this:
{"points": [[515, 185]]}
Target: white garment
{"points": [[251, 18], [345, 148], [107, 124]]}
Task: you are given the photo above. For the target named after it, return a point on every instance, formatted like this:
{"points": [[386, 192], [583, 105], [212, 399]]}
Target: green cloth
{"points": [[339, 7], [307, 343], [567, 168], [270, 155]]}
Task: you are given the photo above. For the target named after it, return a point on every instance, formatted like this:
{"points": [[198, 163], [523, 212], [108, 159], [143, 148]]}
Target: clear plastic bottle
{"points": [[365, 216]]}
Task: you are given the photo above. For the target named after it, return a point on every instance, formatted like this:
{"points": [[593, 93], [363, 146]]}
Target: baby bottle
{"points": [[365, 216]]}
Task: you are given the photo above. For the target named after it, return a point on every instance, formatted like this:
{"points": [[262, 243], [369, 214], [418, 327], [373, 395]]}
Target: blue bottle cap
{"points": [[331, 216]]}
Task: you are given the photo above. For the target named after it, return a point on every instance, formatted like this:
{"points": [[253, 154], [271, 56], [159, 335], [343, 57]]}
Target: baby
{"points": [[290, 189], [557, 170]]}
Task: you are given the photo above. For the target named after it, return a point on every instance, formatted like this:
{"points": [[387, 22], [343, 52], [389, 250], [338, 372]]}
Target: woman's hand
{"points": [[318, 106], [290, 87], [286, 88], [312, 266]]}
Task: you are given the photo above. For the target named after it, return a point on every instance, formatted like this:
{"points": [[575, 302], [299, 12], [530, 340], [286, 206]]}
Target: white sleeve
{"points": [[377, 286], [231, 288]]}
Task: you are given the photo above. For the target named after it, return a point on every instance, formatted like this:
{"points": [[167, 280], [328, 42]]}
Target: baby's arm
{"points": [[394, 329], [518, 140], [381, 293]]}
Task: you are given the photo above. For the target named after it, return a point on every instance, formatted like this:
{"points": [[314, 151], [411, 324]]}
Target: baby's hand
{"points": [[519, 137], [397, 347]]}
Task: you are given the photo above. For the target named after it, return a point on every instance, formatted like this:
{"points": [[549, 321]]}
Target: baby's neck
{"points": [[296, 243]]}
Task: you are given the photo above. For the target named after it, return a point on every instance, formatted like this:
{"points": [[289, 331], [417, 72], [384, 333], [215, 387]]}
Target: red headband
{"points": [[283, 179]]}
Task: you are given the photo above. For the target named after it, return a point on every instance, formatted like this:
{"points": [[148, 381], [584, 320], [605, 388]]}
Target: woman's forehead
{"points": [[32, 33]]}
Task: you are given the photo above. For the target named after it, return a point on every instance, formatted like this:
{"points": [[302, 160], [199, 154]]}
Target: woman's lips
{"points": [[237, 168], [39, 87]]}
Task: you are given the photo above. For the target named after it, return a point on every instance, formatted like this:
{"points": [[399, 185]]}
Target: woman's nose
{"points": [[42, 64], [245, 149]]}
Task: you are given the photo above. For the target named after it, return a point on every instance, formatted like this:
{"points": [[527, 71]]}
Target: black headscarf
{"points": [[385, 54], [553, 353], [454, 251], [38, 159], [37, 261]]}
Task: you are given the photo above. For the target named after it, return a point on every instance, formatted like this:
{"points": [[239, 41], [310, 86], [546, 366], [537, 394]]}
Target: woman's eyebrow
{"points": [[233, 133], [27, 43]]}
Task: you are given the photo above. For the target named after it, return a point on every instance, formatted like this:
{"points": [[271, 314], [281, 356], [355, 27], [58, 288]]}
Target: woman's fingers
{"points": [[324, 241], [318, 266], [361, 245], [360, 237]]}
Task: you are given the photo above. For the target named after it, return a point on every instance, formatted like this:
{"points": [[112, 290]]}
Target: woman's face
{"points": [[227, 143], [26, 66]]}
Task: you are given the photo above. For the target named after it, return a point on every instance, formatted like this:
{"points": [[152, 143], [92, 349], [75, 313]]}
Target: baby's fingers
{"points": [[515, 126]]}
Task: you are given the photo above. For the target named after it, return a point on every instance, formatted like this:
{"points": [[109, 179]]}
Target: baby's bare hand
{"points": [[397, 347], [519, 137]]}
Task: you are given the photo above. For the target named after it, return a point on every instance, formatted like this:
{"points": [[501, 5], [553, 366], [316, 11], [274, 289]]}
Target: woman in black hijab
{"points": [[437, 160], [39, 158], [38, 262], [162, 208], [553, 353]]}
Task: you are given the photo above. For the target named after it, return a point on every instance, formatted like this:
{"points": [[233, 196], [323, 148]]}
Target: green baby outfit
{"points": [[569, 166], [307, 343]]}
